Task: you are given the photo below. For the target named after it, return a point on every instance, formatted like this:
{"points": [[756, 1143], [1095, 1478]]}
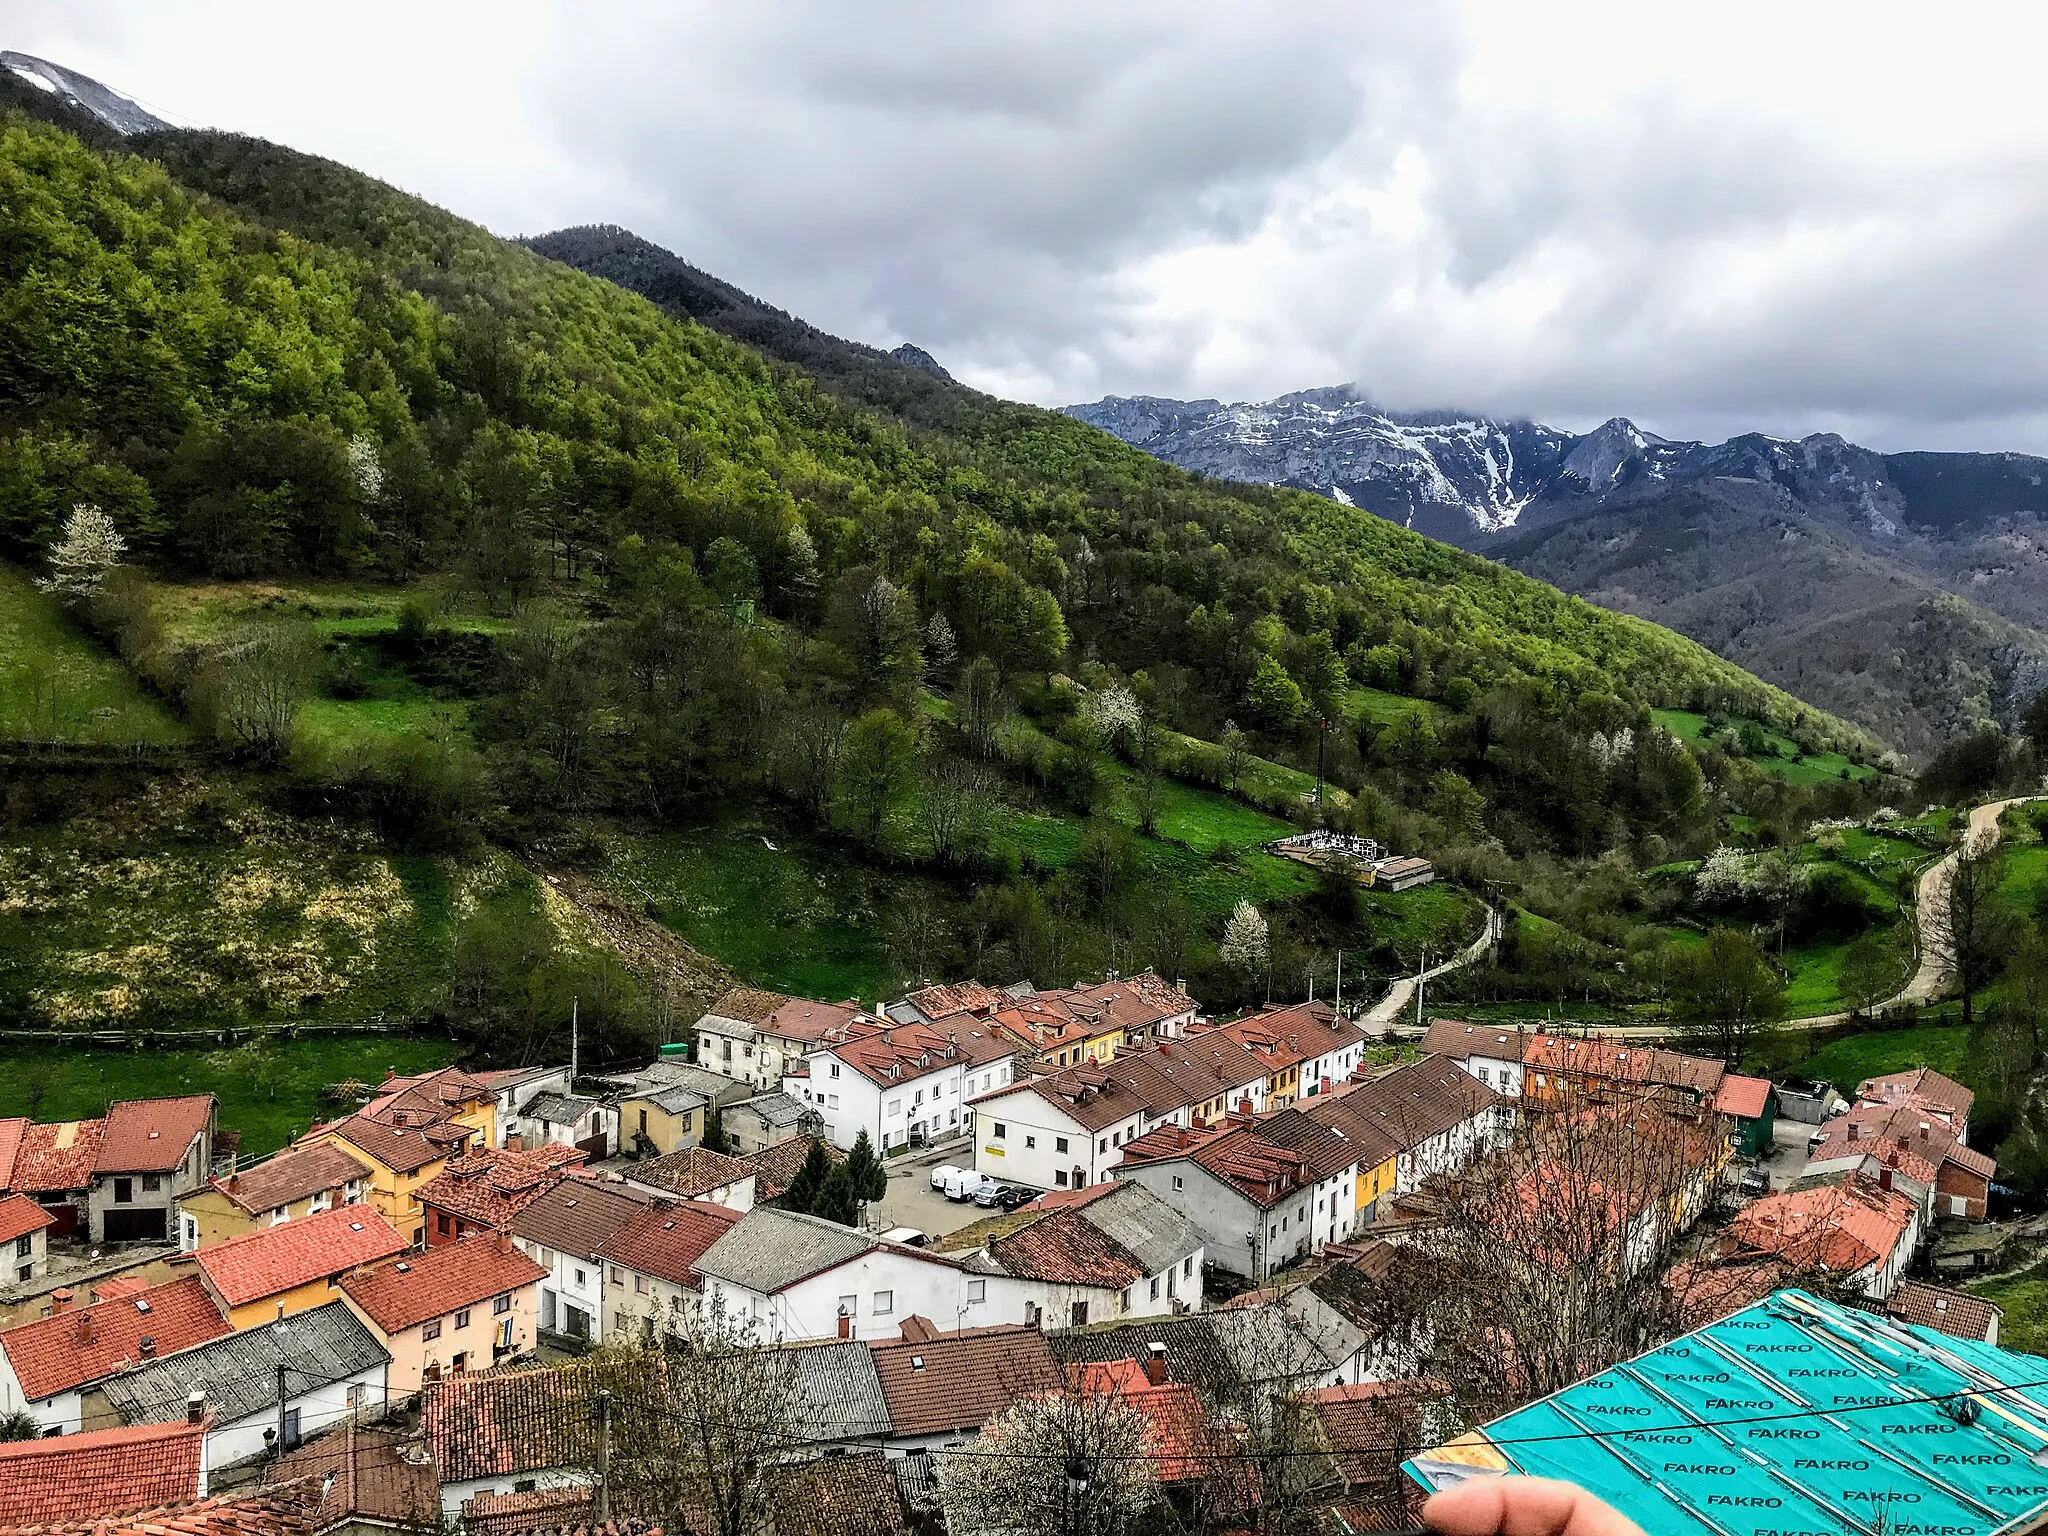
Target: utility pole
{"points": [[281, 1446], [1322, 730], [1421, 970], [1340, 983], [573, 1004]]}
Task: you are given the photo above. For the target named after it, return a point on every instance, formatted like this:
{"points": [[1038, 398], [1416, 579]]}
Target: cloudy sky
{"points": [[1711, 218]]}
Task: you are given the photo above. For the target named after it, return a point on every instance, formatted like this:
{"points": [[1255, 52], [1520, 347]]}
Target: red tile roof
{"points": [[1369, 1426], [1151, 1083], [1746, 1098], [1182, 1444], [692, 1172], [401, 1148], [1136, 1003], [103, 1471], [936, 1002], [746, 1005], [936, 1382], [798, 1018], [1064, 1248], [666, 1241], [776, 1167], [490, 1187], [1956, 1313], [274, 1510], [152, 1135], [1408, 1106], [272, 1260], [1263, 1173], [19, 1216], [402, 1293], [1904, 1135], [57, 1157], [1461, 1041], [12, 1129], [526, 1419], [1617, 1062], [1837, 1227], [430, 1095], [1923, 1086], [888, 1054], [1286, 1037], [292, 1175], [382, 1473], [68, 1349]]}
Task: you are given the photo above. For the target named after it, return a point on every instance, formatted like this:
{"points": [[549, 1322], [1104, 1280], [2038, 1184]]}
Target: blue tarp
{"points": [[1792, 1416]]}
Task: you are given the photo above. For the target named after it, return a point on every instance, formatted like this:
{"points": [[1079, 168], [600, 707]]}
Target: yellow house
{"points": [[400, 1159], [662, 1120], [275, 1272], [299, 1181], [1376, 1182], [1103, 1045]]}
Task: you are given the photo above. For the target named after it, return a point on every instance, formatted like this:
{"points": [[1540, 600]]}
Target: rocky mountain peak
{"points": [[110, 108], [916, 357]]}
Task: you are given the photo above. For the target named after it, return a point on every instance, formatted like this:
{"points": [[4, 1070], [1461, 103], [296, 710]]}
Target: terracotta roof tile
{"points": [[58, 1353], [292, 1175], [1408, 1106], [100, 1472], [955, 1380], [274, 1510], [776, 1167], [1838, 1227], [1461, 1041], [578, 1215], [152, 1135], [666, 1241], [1923, 1086], [19, 1216], [528, 1418], [402, 1293], [1956, 1313], [851, 1495], [747, 1005], [1618, 1062], [384, 1474], [272, 1260], [57, 1157], [1064, 1248], [1181, 1443], [12, 1129], [691, 1172], [401, 1148], [936, 1002], [1745, 1098], [489, 1187]]}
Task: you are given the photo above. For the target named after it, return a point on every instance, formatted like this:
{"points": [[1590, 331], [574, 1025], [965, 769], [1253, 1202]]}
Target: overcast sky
{"points": [[1785, 217]]}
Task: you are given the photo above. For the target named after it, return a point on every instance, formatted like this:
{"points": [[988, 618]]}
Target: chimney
{"points": [[195, 1406], [1155, 1363], [234, 1182], [147, 1348], [60, 1300], [515, 1141], [918, 1330], [85, 1327], [845, 1326]]}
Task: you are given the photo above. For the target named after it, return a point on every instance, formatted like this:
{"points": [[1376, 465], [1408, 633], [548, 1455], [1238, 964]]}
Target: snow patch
{"points": [[46, 86]]}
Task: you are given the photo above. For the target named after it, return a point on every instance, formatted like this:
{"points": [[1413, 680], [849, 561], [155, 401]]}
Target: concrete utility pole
{"points": [[604, 1457], [1421, 970], [1340, 982], [573, 1004]]}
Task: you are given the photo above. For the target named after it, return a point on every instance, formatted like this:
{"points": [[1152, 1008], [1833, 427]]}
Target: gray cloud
{"points": [[1791, 219]]}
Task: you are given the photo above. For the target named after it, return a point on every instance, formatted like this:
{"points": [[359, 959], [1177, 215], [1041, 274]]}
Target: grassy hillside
{"points": [[58, 683]]}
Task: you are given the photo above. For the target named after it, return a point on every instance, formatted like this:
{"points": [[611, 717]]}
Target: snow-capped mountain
{"points": [[111, 108], [1470, 479]]}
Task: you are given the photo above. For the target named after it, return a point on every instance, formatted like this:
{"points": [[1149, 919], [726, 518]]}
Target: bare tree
{"points": [[1968, 925], [1051, 1464], [811, 743], [254, 690], [1546, 1262], [979, 706]]}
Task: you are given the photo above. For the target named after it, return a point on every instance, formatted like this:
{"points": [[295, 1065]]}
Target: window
{"points": [[25, 1272], [1059, 1143], [831, 1101], [621, 1320], [1187, 1265], [526, 1485], [460, 1362], [441, 1223], [501, 1306], [1059, 1178], [431, 1331], [618, 1275], [24, 1246], [152, 1182], [1080, 1314], [579, 1277], [1179, 1183], [1155, 1287], [848, 1305], [895, 1108], [977, 1290], [124, 1191], [916, 1098], [1030, 1142], [885, 1303], [291, 1428], [462, 1319], [999, 1130], [1102, 1143], [639, 1285], [1116, 1138], [835, 1069]]}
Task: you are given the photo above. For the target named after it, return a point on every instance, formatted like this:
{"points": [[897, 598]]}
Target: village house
{"points": [[1751, 1108], [697, 1175], [758, 1037], [1068, 1129], [756, 1124], [1559, 1070], [1336, 1159], [24, 1238], [1050, 1034], [446, 1095], [297, 1182], [1900, 1145], [836, 1396], [275, 1272], [903, 1084], [563, 1231], [665, 1106], [942, 1385], [1490, 1053], [801, 1277], [1439, 1116], [1249, 1199], [580, 1121], [1307, 1049], [47, 1366], [52, 1163], [951, 1000], [373, 1481], [465, 1307], [1935, 1096], [651, 1266], [512, 1432], [331, 1368], [482, 1191], [407, 1133], [1080, 1256], [1855, 1231], [513, 1088], [1959, 1314], [151, 1152], [77, 1481], [1146, 1007]]}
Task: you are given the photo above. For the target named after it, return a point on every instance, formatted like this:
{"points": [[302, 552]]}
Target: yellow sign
{"points": [[993, 1151]]}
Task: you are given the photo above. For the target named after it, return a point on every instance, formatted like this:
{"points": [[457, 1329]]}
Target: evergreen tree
{"points": [[804, 1189], [870, 1178], [837, 1200]]}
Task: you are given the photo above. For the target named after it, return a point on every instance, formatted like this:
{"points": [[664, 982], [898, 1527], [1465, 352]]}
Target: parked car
{"points": [[908, 1237], [966, 1183], [942, 1173], [1015, 1195], [1755, 1182]]}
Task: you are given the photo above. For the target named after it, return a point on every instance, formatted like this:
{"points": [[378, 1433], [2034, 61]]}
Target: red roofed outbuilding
{"points": [[151, 1151], [24, 1238]]}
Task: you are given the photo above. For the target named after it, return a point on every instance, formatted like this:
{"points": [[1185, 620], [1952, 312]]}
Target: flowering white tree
{"points": [[1245, 941], [1112, 713], [365, 464], [940, 648], [79, 561], [1049, 1464]]}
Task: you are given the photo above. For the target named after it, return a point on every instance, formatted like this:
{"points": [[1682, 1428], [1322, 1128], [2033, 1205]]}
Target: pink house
{"points": [[464, 1307]]}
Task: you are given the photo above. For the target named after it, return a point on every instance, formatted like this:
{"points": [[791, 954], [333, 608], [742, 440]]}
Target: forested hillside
{"points": [[429, 532]]}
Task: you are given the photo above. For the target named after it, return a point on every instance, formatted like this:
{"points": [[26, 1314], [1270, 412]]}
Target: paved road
{"points": [[1386, 1012]]}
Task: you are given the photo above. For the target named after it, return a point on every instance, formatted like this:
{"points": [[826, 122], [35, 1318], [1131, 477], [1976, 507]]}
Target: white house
{"points": [[563, 1231], [330, 1363], [1250, 1199], [904, 1084], [554, 1118], [800, 1277], [514, 1087], [760, 1037], [1115, 1250], [1068, 1129], [47, 1366], [1490, 1053]]}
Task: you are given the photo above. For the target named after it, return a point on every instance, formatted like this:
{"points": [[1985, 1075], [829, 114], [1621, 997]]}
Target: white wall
{"points": [[454, 1495], [563, 1269], [934, 1102], [1018, 1139], [511, 1100], [736, 1196], [810, 1308], [321, 1407], [1501, 1076]]}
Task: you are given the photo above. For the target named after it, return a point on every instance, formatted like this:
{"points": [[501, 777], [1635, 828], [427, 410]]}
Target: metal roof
{"points": [[557, 1108], [1156, 1235], [837, 1392], [239, 1371], [1791, 1415]]}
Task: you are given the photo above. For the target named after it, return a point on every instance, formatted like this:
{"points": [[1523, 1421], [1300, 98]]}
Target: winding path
{"points": [[1383, 1014]]}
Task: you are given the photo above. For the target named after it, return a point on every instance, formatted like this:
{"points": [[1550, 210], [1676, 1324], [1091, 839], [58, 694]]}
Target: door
{"points": [[547, 1311], [136, 1224], [576, 1322], [596, 1147]]}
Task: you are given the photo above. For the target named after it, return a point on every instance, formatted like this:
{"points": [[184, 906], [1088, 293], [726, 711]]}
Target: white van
{"points": [[962, 1183]]}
